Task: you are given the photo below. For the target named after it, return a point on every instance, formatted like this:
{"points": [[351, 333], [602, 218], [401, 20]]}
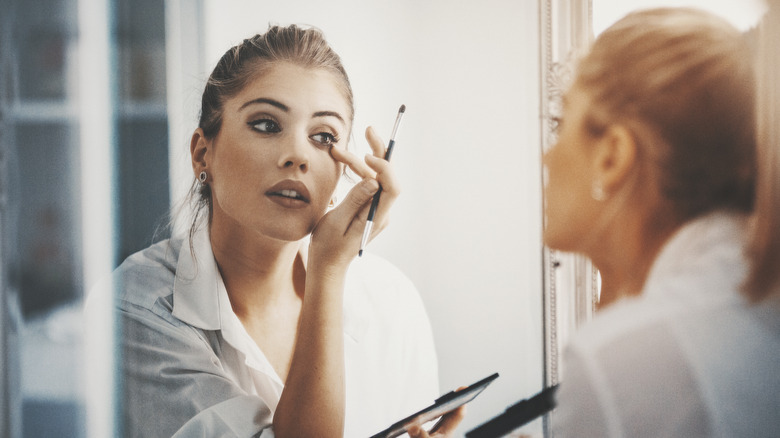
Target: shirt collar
{"points": [[716, 238], [197, 285], [195, 299]]}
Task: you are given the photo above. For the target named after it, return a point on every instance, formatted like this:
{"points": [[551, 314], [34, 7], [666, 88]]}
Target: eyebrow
{"points": [[285, 108], [271, 102], [329, 114]]}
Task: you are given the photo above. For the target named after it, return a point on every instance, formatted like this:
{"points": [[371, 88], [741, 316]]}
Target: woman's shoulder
{"points": [[613, 332], [715, 353], [161, 256], [148, 274]]}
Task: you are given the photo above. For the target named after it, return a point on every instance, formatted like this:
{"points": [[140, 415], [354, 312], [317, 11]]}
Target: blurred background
{"points": [[84, 177]]}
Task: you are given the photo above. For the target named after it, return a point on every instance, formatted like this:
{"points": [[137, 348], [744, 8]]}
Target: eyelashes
{"points": [[270, 126], [265, 126], [325, 138]]}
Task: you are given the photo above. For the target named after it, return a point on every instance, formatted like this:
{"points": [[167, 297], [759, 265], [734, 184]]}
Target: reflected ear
{"points": [[616, 155], [199, 148]]}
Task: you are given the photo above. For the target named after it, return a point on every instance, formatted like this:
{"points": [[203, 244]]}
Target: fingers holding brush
{"points": [[376, 144], [372, 164], [381, 166], [358, 209], [375, 168], [384, 174]]}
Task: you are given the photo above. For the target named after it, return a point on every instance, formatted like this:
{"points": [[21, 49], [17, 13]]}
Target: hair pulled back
{"points": [[764, 248], [682, 81], [305, 47]]}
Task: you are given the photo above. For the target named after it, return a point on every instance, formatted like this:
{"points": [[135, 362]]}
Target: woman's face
{"points": [[569, 207], [270, 167]]}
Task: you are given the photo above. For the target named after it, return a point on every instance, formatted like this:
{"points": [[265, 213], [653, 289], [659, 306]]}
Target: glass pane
{"points": [[141, 49], [47, 277], [49, 235], [42, 284], [142, 153], [143, 184], [42, 71], [44, 31]]}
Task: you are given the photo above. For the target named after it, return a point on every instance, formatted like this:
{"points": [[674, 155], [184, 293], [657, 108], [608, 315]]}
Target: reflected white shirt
{"points": [[190, 367], [690, 357]]}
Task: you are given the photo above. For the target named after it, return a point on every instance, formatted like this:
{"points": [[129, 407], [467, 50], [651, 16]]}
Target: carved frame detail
{"points": [[570, 284]]}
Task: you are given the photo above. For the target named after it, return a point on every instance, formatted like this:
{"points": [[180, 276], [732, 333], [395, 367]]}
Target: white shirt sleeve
{"points": [[175, 385]]}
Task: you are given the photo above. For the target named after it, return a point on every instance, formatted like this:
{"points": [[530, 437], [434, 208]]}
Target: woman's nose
{"points": [[295, 153]]}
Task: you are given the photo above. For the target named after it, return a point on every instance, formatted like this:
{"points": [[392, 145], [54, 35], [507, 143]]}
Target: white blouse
{"points": [[191, 369], [690, 357]]}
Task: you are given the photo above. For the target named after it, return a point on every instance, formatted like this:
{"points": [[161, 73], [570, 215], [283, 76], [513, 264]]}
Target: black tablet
{"points": [[444, 404]]}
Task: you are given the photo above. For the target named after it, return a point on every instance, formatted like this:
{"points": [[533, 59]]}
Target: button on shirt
{"points": [[689, 357], [190, 367]]}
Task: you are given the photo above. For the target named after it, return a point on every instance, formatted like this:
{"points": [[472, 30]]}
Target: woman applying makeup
{"points": [[652, 178], [261, 322]]}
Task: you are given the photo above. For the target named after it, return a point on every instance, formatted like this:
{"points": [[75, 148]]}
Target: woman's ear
{"points": [[199, 148], [616, 155]]}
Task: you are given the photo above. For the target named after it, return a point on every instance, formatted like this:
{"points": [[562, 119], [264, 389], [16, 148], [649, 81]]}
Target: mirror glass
{"points": [[98, 99], [467, 227]]}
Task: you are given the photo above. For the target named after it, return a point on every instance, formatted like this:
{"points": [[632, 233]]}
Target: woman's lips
{"points": [[289, 193]]}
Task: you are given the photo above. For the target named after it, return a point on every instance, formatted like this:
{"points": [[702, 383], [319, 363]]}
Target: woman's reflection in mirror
{"points": [[260, 322]]}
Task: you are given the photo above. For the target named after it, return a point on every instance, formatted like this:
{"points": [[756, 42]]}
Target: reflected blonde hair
{"points": [[764, 248], [681, 80]]}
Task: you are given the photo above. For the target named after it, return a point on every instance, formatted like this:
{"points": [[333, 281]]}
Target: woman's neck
{"points": [[626, 255], [258, 272]]}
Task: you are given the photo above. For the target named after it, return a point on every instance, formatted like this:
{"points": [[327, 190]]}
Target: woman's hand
{"points": [[443, 428], [336, 238]]}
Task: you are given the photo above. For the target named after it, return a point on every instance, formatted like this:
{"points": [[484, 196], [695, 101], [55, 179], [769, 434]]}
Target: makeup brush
{"points": [[375, 201]]}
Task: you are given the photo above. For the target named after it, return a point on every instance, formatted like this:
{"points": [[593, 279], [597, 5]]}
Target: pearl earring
{"points": [[597, 191], [203, 176]]}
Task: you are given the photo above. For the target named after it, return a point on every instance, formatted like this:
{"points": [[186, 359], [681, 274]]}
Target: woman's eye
{"points": [[265, 125], [325, 139]]}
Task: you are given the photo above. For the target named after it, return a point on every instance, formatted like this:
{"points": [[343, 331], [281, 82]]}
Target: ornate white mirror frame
{"points": [[570, 280]]}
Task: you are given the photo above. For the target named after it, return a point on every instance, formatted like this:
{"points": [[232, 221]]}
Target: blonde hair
{"points": [[764, 247], [681, 80]]}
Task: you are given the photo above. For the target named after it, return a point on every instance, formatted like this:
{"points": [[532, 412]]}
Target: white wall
{"points": [[467, 228]]}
